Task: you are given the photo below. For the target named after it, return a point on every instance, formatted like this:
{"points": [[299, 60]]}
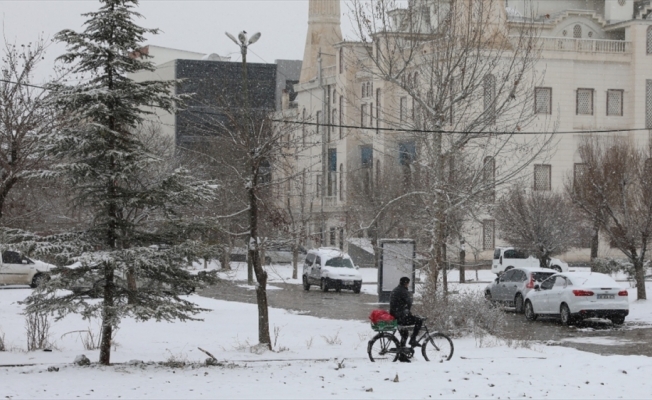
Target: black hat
{"points": [[404, 280]]}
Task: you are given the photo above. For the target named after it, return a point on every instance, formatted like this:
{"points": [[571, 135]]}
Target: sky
{"points": [[194, 25]]}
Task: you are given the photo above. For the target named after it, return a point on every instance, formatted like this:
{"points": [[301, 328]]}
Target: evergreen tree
{"points": [[133, 251]]}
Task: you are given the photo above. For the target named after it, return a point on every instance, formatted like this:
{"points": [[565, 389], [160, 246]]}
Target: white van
{"points": [[16, 269], [506, 258], [331, 268]]}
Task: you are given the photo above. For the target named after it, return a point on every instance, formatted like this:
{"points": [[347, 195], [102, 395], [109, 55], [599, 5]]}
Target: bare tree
{"points": [[464, 91], [24, 115], [613, 186], [541, 223]]}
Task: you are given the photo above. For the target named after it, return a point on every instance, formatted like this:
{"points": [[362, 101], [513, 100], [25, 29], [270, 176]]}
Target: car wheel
{"points": [[566, 317], [557, 268], [619, 320], [323, 285], [306, 285], [38, 280], [487, 297], [529, 311], [518, 303], [356, 288], [508, 268]]}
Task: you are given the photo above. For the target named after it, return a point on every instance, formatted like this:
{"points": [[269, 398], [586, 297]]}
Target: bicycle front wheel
{"points": [[383, 348], [439, 346]]}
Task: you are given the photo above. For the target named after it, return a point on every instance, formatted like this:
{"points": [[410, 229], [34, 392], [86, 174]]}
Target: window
{"points": [[332, 172], [340, 118], [377, 173], [341, 182], [371, 115], [542, 100], [378, 93], [648, 104], [318, 186], [341, 243], [265, 172], [364, 90], [490, 98], [363, 115], [366, 156], [341, 60], [649, 39], [542, 174], [407, 153], [303, 127], [402, 109], [579, 171], [334, 120], [615, 102], [584, 102], [577, 32], [318, 117], [489, 175], [332, 242], [488, 234]]}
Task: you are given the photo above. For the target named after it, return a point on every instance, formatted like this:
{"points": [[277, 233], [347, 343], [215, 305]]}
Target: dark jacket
{"points": [[400, 302]]}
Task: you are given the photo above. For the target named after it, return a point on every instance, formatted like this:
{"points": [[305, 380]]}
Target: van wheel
{"points": [[323, 285], [556, 268], [38, 280], [306, 285]]}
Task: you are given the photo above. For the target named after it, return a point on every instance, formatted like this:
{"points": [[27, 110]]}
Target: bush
{"points": [[463, 313], [613, 265]]}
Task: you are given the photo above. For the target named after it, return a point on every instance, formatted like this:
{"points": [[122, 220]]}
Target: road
{"points": [[593, 336]]}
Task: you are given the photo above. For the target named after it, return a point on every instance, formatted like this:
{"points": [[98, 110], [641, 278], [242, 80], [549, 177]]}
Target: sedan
{"points": [[511, 287], [574, 296]]}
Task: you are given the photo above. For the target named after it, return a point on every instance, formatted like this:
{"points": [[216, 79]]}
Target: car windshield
{"points": [[541, 276], [339, 262]]}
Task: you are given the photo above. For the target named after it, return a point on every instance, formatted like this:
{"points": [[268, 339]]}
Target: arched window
{"points": [[649, 39], [577, 31], [341, 182], [303, 127], [340, 116], [489, 178], [490, 98]]}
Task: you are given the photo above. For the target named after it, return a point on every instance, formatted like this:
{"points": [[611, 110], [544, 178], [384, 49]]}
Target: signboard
{"points": [[396, 261]]}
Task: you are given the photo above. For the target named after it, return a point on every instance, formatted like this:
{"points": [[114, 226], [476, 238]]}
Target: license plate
{"points": [[606, 296], [348, 282]]}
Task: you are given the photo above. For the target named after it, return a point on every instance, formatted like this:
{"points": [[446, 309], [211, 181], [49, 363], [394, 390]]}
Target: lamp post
{"points": [[252, 246], [244, 43]]}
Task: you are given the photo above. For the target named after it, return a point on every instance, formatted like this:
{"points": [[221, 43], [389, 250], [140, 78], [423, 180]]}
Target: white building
{"points": [[596, 63]]}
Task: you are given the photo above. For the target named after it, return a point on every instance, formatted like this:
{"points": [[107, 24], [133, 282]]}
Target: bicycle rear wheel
{"points": [[383, 348], [439, 346]]}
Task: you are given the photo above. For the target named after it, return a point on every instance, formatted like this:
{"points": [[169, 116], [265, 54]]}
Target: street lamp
{"points": [[244, 43]]}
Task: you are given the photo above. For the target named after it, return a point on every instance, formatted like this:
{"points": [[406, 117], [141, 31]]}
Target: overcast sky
{"points": [[195, 25]]}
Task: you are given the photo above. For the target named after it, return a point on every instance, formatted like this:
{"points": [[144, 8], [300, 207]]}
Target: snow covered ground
{"points": [[314, 357]]}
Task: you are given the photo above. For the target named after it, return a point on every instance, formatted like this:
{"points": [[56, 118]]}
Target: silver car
{"points": [[511, 287]]}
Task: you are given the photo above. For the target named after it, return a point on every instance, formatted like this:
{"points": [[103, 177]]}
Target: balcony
{"points": [[586, 45]]}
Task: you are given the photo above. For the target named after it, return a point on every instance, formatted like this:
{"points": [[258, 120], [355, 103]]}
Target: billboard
{"points": [[396, 261]]}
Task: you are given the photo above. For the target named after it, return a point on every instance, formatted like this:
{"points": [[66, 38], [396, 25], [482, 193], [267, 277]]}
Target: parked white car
{"points": [[16, 269], [511, 287], [506, 258], [574, 296], [330, 267]]}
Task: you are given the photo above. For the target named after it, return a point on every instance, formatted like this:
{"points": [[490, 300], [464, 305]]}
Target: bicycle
{"points": [[385, 346]]}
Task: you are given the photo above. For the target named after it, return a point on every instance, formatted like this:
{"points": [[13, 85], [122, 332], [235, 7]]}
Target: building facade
{"points": [[593, 73]]}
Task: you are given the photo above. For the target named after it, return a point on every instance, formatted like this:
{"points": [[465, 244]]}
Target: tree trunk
{"points": [[462, 267], [595, 240], [295, 257], [639, 274], [444, 277], [108, 315], [261, 275]]}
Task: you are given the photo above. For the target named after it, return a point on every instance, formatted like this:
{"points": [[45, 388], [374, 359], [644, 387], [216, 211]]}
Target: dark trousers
{"points": [[410, 320]]}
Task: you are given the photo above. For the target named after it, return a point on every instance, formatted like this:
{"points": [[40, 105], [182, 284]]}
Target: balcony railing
{"points": [[586, 45]]}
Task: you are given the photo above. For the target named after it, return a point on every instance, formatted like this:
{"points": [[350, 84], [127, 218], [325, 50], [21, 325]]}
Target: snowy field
{"points": [[316, 358]]}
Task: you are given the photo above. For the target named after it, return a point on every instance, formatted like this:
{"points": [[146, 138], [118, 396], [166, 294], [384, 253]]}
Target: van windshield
{"points": [[339, 262]]}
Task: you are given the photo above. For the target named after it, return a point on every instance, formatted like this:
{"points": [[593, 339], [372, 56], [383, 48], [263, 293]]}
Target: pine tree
{"points": [[133, 251]]}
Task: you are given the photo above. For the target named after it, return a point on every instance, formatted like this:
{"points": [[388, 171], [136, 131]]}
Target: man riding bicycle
{"points": [[400, 303]]}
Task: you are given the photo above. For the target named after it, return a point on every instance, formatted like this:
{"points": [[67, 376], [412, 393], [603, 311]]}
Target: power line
{"points": [[398, 130], [463, 132]]}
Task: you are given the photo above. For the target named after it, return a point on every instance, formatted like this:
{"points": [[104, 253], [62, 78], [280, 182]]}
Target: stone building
{"points": [[594, 73]]}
